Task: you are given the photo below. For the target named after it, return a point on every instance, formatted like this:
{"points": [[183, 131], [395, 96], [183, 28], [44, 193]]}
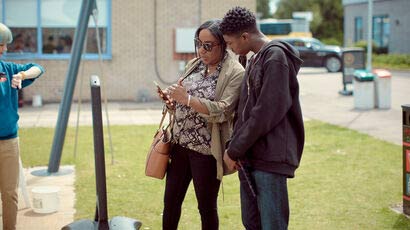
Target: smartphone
{"points": [[161, 92]]}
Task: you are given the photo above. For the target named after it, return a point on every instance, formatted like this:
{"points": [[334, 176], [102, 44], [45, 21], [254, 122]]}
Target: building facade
{"points": [[391, 24], [138, 40]]}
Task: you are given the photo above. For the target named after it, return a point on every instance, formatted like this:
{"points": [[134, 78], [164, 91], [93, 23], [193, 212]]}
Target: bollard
{"points": [[406, 159], [101, 221]]}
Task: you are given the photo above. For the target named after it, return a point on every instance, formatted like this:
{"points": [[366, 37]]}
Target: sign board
{"points": [[184, 40], [353, 59]]}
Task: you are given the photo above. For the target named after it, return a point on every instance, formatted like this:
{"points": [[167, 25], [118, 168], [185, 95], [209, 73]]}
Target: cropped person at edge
{"points": [[13, 77]]}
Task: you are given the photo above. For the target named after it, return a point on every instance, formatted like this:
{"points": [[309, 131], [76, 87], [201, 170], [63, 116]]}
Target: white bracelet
{"points": [[189, 99]]}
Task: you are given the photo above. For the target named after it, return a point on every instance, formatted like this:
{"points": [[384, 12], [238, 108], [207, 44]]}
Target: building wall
{"points": [[397, 10], [129, 75]]}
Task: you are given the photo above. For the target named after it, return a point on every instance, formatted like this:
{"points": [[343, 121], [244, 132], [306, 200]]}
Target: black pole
{"points": [[99, 153], [101, 221], [406, 159], [64, 110]]}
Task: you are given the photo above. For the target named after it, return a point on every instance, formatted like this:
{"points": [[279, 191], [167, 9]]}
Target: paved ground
{"points": [[321, 101], [319, 97], [28, 219]]}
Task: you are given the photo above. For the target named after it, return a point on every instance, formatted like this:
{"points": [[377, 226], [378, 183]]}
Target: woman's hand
{"points": [[178, 93], [164, 96]]}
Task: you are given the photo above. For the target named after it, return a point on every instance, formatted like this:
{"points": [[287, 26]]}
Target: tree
{"points": [[327, 16], [262, 7]]}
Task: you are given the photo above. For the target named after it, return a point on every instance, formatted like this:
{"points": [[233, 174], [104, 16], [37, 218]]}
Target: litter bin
{"points": [[382, 88], [363, 89], [406, 159]]}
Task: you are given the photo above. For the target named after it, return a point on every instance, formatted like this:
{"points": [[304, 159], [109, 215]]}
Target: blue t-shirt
{"points": [[9, 97]]}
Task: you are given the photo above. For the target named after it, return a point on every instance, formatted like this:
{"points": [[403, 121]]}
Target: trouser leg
{"points": [[273, 200], [249, 205], [9, 175], [206, 188], [177, 182]]}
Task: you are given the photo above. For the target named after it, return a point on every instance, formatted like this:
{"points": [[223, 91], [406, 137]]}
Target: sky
{"points": [[272, 5]]}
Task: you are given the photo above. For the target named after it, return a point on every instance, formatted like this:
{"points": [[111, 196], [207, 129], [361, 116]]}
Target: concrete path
{"points": [[320, 100], [28, 219]]}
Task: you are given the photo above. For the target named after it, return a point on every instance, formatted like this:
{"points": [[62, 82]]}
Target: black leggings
{"points": [[187, 165]]}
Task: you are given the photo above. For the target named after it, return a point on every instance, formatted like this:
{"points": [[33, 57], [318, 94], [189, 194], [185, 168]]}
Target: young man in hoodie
{"points": [[12, 78], [268, 136]]}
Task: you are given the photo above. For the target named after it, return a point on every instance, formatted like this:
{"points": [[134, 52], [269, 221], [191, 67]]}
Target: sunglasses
{"points": [[206, 45]]}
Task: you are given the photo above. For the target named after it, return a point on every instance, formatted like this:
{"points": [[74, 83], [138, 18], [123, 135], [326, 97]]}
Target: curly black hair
{"points": [[238, 20]]}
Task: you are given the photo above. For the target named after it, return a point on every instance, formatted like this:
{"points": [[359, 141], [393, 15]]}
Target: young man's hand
{"points": [[231, 164]]}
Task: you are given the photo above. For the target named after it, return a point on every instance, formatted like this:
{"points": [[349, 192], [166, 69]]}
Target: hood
{"points": [[291, 52], [334, 48]]}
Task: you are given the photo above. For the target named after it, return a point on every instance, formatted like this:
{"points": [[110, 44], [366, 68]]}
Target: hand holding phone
{"points": [[161, 92], [164, 96]]}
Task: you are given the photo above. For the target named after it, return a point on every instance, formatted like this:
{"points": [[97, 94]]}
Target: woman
{"points": [[12, 78], [205, 99]]}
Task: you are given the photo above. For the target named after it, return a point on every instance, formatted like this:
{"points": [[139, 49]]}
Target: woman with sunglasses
{"points": [[205, 99]]}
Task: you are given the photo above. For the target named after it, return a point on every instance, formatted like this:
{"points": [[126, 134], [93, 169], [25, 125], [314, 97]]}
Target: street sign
{"points": [[352, 59]]}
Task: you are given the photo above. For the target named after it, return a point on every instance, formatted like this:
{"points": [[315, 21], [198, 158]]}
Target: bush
{"points": [[375, 48], [331, 41], [399, 60]]}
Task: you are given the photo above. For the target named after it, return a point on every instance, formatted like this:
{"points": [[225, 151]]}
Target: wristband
{"points": [[189, 99]]}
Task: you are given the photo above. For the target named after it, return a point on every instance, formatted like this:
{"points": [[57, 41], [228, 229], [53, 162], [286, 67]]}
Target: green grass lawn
{"points": [[346, 180]]}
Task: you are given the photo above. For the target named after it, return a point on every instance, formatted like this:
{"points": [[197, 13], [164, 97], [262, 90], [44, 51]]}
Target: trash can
{"points": [[382, 88], [363, 89], [37, 101], [406, 159], [45, 199]]}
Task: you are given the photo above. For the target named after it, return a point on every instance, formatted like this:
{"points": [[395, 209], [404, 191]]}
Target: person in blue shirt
{"points": [[13, 77]]}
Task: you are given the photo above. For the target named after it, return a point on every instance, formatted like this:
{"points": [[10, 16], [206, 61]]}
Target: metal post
{"points": [[101, 221], [99, 153], [64, 110], [369, 35], [406, 159]]}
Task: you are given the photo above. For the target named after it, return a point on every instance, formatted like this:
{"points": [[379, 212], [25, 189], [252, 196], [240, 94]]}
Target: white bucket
{"points": [[45, 199], [37, 101]]}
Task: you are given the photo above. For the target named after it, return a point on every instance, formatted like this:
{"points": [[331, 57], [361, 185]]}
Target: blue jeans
{"points": [[270, 208]]}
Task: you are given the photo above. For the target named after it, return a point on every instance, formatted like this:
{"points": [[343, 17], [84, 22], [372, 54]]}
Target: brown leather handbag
{"points": [[158, 154]]}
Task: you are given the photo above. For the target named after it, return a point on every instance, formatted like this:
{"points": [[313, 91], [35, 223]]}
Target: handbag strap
{"points": [[171, 116], [164, 113]]}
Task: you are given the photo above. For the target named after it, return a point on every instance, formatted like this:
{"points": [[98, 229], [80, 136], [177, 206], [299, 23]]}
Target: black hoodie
{"points": [[269, 132]]}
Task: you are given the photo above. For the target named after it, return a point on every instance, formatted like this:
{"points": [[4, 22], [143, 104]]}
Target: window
{"points": [[358, 29], [275, 28], [299, 43], [23, 25], [381, 30], [45, 29]]}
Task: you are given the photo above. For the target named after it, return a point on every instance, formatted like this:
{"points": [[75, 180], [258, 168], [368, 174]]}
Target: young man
{"points": [[12, 78], [268, 136]]}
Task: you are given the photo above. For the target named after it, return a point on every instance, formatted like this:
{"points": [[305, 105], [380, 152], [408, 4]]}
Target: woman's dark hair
{"points": [[213, 27], [237, 21]]}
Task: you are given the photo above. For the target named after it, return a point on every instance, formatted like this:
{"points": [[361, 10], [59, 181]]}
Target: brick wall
{"points": [[130, 72]]}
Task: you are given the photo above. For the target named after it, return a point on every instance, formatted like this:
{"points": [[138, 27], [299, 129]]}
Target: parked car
{"points": [[316, 54]]}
